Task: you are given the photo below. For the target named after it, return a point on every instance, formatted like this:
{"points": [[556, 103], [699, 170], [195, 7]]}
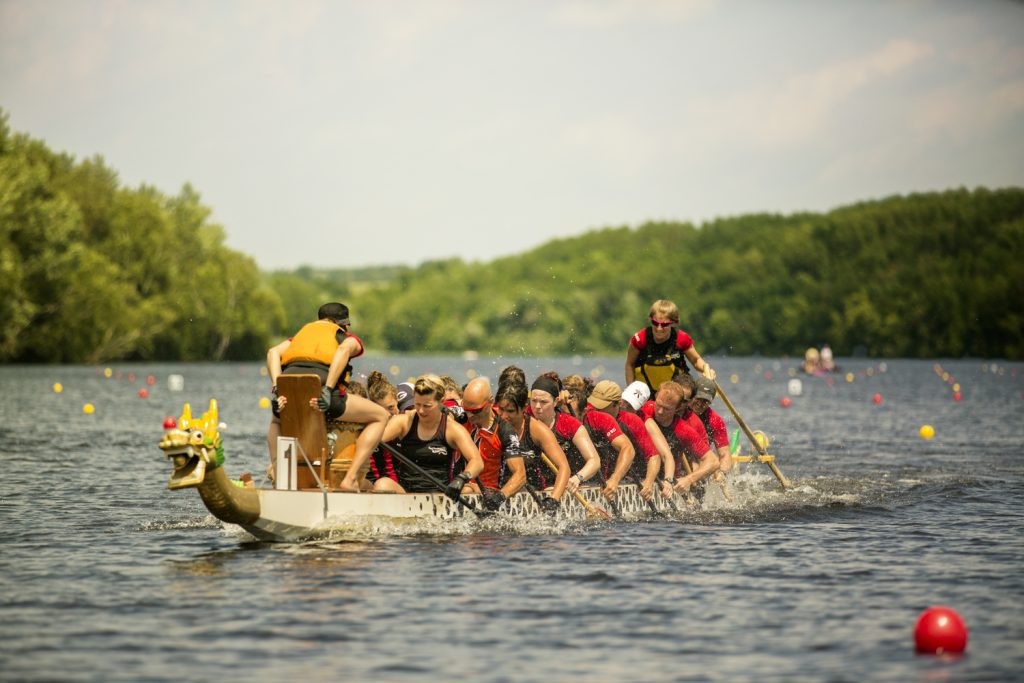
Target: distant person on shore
{"points": [[657, 351], [324, 348], [812, 362], [827, 362]]}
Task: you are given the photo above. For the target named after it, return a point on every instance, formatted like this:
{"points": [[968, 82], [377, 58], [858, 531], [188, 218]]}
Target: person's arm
{"points": [[274, 360], [623, 461], [708, 464], [545, 438], [699, 364], [593, 462], [397, 426], [647, 487], [661, 445], [517, 476], [632, 353], [345, 350], [724, 459], [459, 439]]}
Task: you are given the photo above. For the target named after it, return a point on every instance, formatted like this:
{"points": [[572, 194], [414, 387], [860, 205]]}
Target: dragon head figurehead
{"points": [[194, 447]]}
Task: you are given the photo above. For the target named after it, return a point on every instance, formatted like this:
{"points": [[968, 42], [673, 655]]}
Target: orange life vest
{"points": [[316, 342]]}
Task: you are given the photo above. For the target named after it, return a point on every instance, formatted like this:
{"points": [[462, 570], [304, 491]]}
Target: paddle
{"points": [[429, 477], [592, 510], [671, 499], [604, 483], [753, 440]]}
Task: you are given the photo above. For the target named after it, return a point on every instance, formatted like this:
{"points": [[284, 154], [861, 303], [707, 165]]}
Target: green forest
{"points": [[92, 271]]}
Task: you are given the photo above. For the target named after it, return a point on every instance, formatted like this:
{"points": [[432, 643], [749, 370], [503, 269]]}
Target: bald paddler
{"points": [[504, 471], [324, 348]]}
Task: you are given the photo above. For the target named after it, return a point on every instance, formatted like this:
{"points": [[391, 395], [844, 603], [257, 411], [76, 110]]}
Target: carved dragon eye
{"points": [[196, 437]]}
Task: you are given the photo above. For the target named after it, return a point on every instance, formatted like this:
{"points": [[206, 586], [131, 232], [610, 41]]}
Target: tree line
{"points": [[92, 271]]}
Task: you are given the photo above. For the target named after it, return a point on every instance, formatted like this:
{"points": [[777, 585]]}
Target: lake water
{"points": [[107, 575]]}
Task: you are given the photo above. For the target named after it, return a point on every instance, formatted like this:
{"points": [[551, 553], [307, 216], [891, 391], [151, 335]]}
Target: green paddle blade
{"points": [[734, 443]]}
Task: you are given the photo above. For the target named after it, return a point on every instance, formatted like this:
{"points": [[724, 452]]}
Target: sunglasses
{"points": [[658, 323], [474, 411]]}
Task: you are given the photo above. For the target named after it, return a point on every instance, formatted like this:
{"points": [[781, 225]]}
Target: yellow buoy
{"points": [[927, 432], [849, 377], [264, 402], [734, 378], [956, 387], [762, 439], [88, 409], [58, 387], [393, 370], [471, 373], [107, 372]]}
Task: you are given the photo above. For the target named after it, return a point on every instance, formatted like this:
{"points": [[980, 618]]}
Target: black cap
{"points": [[334, 311]]}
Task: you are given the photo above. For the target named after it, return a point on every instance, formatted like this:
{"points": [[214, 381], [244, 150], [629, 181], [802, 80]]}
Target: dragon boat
{"points": [[302, 503]]}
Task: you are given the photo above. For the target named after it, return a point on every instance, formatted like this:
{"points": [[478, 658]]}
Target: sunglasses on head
{"points": [[659, 323]]}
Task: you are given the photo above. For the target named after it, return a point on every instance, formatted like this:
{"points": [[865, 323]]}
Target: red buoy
{"points": [[150, 380], [957, 396], [143, 393], [940, 630], [785, 402], [876, 399], [170, 422]]}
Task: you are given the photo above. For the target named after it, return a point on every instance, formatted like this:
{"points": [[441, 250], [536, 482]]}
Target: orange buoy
{"points": [[940, 630], [143, 393], [785, 401], [877, 399]]}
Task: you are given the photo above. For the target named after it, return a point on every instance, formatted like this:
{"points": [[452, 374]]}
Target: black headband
{"points": [[546, 384]]}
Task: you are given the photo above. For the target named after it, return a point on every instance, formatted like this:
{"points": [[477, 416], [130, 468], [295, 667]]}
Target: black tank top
{"points": [[433, 454], [538, 474]]}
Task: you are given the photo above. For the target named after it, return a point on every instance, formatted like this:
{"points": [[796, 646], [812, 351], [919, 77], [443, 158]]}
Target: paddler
{"points": [[613, 446], [433, 440], [634, 396], [657, 351], [675, 439], [571, 435], [382, 392], [504, 472], [325, 348], [535, 439], [643, 467], [700, 405]]}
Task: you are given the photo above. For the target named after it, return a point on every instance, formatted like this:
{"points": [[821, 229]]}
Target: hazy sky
{"points": [[352, 133]]}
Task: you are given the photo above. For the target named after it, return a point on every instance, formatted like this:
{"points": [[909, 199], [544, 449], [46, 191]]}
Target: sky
{"points": [[337, 133]]}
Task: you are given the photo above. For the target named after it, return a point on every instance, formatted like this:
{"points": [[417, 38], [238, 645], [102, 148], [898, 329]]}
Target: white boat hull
{"points": [[296, 515]]}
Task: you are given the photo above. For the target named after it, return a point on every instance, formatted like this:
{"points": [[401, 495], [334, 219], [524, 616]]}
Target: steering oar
{"points": [[441, 486]]}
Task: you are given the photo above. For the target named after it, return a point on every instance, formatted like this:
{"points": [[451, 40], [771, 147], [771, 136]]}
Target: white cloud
{"points": [[775, 115], [613, 13]]}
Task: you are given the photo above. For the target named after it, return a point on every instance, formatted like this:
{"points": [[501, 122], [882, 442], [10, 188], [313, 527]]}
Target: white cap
{"points": [[636, 394]]}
